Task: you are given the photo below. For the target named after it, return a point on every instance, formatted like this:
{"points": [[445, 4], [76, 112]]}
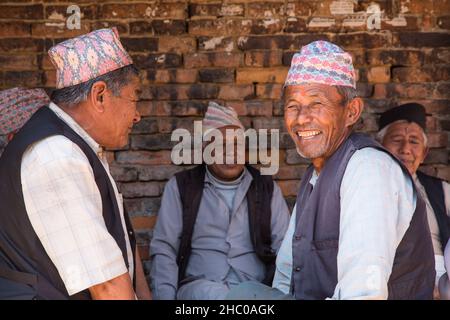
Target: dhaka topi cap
{"points": [[321, 62], [17, 105], [218, 116], [88, 56], [411, 112]]}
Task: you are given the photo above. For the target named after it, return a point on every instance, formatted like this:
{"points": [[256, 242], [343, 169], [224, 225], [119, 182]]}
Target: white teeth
{"points": [[305, 134]]}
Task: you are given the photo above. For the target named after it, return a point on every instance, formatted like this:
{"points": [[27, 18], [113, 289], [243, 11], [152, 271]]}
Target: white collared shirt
{"points": [[64, 206]]}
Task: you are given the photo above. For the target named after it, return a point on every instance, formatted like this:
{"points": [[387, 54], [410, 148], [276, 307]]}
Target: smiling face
{"points": [[317, 121], [406, 141]]}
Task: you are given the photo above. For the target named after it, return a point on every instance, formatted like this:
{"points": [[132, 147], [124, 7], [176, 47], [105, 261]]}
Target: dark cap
{"points": [[412, 112]]}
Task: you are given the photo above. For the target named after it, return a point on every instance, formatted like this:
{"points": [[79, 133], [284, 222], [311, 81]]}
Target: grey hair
{"points": [[347, 94], [382, 133], [74, 95]]}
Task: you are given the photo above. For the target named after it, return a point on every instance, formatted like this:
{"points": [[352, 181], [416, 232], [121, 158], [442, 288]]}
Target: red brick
{"points": [[437, 139], [142, 206], [15, 29], [177, 44], [424, 74], [18, 62], [143, 223], [394, 57], [216, 75], [141, 189], [216, 43], [379, 74], [252, 107], [422, 39], [53, 12], [143, 157], [236, 92], [213, 59], [22, 78], [122, 174], [266, 9], [143, 10], [261, 75], [172, 75], [158, 172], [58, 30], [269, 91], [362, 40], [22, 12], [263, 58]]}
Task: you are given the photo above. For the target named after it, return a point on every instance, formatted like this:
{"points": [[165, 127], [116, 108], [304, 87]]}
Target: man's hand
{"points": [[142, 290], [119, 288]]}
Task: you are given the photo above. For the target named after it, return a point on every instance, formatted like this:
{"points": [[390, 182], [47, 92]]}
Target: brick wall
{"points": [[238, 52]]}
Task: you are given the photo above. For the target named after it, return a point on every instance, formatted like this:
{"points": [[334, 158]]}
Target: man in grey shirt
{"points": [[222, 254]]}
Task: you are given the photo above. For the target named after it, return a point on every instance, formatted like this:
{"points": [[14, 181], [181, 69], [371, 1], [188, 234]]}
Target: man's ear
{"points": [[98, 96], [354, 111]]}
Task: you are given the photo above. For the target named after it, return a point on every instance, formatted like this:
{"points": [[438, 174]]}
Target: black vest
{"points": [[259, 197], [26, 271], [435, 193], [316, 239]]}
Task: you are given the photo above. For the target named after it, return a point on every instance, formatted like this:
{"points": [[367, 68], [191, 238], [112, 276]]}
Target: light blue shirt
{"points": [[377, 205]]}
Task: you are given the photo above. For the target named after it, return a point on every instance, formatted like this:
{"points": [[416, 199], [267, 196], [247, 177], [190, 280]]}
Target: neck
{"points": [[320, 162], [84, 120]]}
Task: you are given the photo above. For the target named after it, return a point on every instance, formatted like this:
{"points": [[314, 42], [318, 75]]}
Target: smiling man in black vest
{"points": [[360, 228], [63, 230], [402, 132]]}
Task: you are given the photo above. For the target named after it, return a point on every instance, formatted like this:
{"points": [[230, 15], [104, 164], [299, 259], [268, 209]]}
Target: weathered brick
{"points": [[146, 125], [363, 40], [167, 125], [143, 157], [295, 25], [142, 206], [438, 55], [252, 107], [152, 142], [22, 78], [140, 44], [297, 8], [395, 57], [157, 60], [159, 173], [204, 9], [443, 22], [122, 174], [442, 91], [213, 59], [15, 29], [59, 12], [261, 75], [424, 74], [143, 10], [184, 92], [267, 42], [169, 27], [269, 123], [266, 9], [379, 74], [236, 92], [141, 189], [212, 27], [216, 75], [263, 58], [269, 91], [140, 223], [21, 45], [422, 39], [22, 12], [437, 156], [216, 43], [57, 30], [172, 75], [437, 139], [18, 62], [178, 44]]}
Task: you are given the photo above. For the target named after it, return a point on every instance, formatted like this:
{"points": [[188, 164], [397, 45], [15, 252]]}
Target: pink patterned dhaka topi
{"points": [[321, 62], [17, 105], [88, 56]]}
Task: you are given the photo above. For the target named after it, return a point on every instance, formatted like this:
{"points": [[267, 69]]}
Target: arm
{"points": [[119, 288], [377, 204], [165, 243], [142, 290]]}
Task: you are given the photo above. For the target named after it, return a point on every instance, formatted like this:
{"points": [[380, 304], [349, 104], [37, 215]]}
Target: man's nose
{"points": [[405, 148], [303, 116]]}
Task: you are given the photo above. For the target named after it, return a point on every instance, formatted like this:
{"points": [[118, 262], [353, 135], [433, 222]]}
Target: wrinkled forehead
{"points": [[312, 90], [405, 128]]}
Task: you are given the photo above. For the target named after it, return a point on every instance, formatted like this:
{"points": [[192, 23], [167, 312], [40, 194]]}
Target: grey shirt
{"points": [[222, 252]]}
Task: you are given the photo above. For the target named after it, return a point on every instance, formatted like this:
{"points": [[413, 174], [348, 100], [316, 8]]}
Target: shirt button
{"points": [[298, 237], [297, 269]]}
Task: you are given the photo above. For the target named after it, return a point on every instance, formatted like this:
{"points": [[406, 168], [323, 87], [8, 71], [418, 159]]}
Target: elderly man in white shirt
{"points": [[402, 132], [63, 230]]}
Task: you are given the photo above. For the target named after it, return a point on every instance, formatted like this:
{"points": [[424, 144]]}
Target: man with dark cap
{"points": [[402, 132]]}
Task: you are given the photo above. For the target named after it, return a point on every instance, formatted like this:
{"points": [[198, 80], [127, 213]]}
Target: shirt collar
{"points": [[77, 128]]}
